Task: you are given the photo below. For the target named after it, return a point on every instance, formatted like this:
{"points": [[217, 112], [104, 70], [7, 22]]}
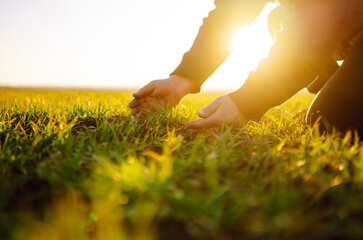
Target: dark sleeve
{"points": [[297, 57], [323, 77], [212, 44]]}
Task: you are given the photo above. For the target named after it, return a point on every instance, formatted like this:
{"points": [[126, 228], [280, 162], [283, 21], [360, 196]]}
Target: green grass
{"points": [[76, 165]]}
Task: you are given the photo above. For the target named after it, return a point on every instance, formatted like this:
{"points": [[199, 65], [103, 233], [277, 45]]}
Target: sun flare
{"points": [[250, 45], [252, 42]]}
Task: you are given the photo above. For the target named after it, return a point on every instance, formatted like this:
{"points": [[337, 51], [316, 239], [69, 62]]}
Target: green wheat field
{"points": [[77, 165]]}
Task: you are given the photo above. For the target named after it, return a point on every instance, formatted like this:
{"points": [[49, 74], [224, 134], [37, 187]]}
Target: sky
{"points": [[113, 43]]}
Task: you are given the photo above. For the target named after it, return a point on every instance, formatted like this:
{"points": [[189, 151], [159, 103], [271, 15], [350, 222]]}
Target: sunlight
{"points": [[119, 49], [240, 37], [62, 44], [253, 42], [255, 39], [250, 45]]}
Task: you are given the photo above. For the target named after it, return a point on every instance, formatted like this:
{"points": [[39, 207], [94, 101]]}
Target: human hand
{"points": [[164, 94], [221, 111]]}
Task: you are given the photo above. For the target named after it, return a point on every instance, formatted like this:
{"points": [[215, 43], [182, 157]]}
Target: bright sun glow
{"points": [[252, 42], [250, 45]]}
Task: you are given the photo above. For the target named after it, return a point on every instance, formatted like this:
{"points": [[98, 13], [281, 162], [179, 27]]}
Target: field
{"points": [[76, 165]]}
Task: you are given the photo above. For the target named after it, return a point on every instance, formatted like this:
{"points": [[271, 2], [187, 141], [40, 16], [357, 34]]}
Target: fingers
{"points": [[137, 105], [222, 111], [135, 111], [158, 94], [147, 104], [213, 121], [211, 108], [136, 102], [145, 91]]}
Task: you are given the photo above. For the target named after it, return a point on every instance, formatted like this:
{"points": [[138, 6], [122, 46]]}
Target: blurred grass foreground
{"points": [[76, 165]]}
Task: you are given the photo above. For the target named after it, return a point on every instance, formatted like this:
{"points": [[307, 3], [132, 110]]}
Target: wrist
{"points": [[183, 85], [242, 117]]}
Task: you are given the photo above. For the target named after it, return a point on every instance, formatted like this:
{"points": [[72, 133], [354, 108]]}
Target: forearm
{"points": [[212, 44]]}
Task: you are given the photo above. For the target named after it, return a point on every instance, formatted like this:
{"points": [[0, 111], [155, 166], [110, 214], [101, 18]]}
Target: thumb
{"points": [[211, 108], [144, 91]]}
